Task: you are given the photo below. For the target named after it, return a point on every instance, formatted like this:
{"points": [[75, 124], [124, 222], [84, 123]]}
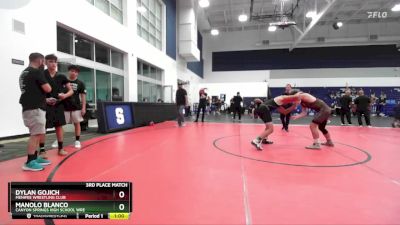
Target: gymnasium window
{"points": [[113, 8], [102, 66], [149, 23], [150, 87]]}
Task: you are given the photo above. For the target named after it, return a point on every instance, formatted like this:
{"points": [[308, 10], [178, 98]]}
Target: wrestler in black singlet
{"points": [[263, 110], [323, 112]]}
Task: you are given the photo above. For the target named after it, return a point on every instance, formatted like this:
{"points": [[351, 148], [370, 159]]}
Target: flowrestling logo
{"points": [[377, 15]]}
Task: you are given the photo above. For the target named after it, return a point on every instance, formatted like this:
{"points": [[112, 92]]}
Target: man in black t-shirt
{"points": [[363, 104], [34, 87], [181, 100], [74, 109], [61, 89], [237, 107], [202, 105], [345, 106]]}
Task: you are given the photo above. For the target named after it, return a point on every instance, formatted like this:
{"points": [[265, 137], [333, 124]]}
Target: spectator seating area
{"points": [[329, 94]]}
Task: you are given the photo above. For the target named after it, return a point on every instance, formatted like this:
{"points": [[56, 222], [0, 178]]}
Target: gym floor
{"points": [[209, 173], [16, 147]]}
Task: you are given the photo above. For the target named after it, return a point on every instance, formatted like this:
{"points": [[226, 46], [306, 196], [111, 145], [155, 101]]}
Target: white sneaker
{"points": [[77, 144], [314, 146], [257, 144], [55, 144]]}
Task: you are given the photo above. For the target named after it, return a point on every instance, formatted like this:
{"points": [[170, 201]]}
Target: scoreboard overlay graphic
{"points": [[70, 200]]}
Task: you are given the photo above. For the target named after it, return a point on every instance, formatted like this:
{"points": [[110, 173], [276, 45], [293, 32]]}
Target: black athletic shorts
{"points": [[55, 116], [264, 113], [322, 116], [271, 104]]}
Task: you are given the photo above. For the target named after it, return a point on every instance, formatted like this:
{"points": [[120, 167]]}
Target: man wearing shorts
{"points": [[263, 111], [323, 112], [34, 87], [61, 89], [75, 106]]}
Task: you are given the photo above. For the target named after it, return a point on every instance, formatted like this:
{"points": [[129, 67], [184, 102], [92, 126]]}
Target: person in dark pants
{"points": [[230, 106], [285, 118], [202, 105], [237, 108], [381, 104], [345, 104], [396, 115], [34, 87], [363, 104], [251, 109], [181, 100]]}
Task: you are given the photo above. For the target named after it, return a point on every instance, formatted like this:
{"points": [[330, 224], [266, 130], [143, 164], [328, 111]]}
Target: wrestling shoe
{"points": [[314, 146], [328, 143], [257, 144], [265, 141]]}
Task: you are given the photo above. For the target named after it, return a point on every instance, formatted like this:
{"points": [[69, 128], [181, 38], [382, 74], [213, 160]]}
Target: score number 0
{"points": [[121, 195]]}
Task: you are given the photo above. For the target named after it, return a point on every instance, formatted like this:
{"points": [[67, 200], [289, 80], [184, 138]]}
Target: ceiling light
{"points": [[396, 8], [272, 28], [141, 9], [243, 18], [311, 14], [204, 3], [214, 32], [337, 25]]}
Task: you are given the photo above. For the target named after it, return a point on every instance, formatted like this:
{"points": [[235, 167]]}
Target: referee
{"points": [[285, 118]]}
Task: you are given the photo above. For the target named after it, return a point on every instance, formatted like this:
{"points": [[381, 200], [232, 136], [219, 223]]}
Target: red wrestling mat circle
{"points": [[292, 152]]}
